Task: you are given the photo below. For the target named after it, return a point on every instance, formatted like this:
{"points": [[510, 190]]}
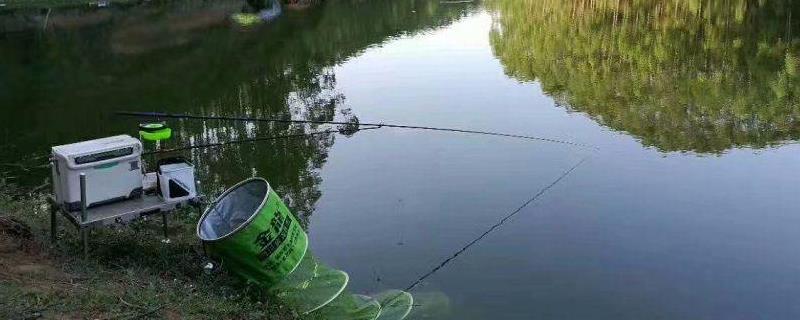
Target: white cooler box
{"points": [[176, 180], [112, 167]]}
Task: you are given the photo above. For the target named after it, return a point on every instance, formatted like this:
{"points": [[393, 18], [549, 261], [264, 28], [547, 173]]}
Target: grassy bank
{"points": [[130, 273], [52, 4]]}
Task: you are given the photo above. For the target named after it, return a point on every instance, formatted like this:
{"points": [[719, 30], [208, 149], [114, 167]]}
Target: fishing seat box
{"points": [[112, 166]]}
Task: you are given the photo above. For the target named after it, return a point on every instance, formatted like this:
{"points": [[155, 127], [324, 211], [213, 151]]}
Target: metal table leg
{"points": [[85, 236], [53, 224], [166, 230], [84, 232]]}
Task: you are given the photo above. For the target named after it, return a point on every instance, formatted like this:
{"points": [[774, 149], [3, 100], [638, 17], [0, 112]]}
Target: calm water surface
{"points": [[686, 210]]}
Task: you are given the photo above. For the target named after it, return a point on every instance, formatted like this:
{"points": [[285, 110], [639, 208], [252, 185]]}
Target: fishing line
{"points": [[497, 225], [445, 262], [398, 126], [219, 144]]}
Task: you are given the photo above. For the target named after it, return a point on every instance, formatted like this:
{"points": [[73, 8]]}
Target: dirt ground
{"points": [[27, 274]]}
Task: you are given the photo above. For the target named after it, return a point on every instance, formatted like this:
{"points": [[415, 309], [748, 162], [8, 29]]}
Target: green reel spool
{"points": [[246, 19], [157, 131]]}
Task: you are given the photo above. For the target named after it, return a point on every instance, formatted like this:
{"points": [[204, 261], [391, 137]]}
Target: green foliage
{"points": [[701, 76]]}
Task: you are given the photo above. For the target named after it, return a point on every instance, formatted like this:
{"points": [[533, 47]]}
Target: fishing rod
{"points": [[496, 225], [24, 168], [160, 115], [220, 144]]}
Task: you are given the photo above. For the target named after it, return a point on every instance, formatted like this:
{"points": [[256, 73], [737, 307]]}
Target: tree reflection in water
{"points": [[697, 76], [186, 57]]}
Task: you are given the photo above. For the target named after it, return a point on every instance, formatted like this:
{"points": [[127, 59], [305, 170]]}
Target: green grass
{"points": [[130, 273]]}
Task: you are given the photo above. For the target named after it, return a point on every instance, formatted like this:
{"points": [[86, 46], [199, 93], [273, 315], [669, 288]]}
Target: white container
{"points": [[112, 167], [150, 181], [176, 182]]}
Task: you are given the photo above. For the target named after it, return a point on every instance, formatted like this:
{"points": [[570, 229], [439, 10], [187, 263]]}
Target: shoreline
{"points": [[130, 273]]}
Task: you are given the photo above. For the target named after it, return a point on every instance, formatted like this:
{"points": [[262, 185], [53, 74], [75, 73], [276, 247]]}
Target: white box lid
{"points": [[175, 167], [97, 145]]}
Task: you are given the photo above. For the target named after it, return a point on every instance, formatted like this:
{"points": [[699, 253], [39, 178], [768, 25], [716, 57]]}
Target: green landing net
{"points": [[252, 234], [311, 286], [430, 306], [395, 304], [349, 307]]}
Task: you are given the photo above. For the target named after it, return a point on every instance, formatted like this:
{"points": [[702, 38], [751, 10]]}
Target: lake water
{"points": [[685, 207]]}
